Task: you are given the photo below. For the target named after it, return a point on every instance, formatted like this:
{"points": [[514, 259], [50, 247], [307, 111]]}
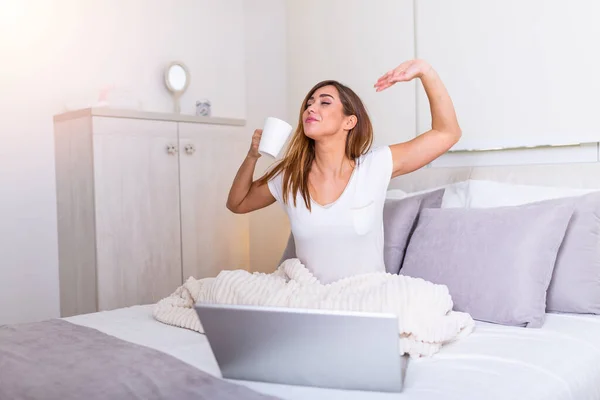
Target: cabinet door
{"points": [[213, 238], [137, 211]]}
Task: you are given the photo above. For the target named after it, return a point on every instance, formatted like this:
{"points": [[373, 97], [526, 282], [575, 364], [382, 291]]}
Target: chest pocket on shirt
{"points": [[362, 218]]}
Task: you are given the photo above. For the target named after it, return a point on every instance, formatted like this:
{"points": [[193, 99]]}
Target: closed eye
{"points": [[326, 103]]}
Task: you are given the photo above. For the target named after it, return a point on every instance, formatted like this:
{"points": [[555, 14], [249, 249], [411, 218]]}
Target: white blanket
{"points": [[425, 317]]}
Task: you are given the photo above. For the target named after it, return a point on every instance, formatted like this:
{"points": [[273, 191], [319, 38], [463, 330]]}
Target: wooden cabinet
{"points": [[141, 205], [213, 237]]}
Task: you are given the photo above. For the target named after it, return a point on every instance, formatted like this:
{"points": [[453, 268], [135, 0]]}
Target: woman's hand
{"points": [[247, 195], [444, 133], [253, 152], [404, 72]]}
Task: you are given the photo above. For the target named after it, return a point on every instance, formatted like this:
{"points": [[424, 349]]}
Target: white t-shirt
{"points": [[343, 238]]}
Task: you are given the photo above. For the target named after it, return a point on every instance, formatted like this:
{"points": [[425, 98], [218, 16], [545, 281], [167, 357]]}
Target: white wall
{"points": [[519, 72], [63, 52]]}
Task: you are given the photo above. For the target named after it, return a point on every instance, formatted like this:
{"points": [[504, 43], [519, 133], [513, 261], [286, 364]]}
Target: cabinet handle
{"points": [[190, 148], [171, 149]]}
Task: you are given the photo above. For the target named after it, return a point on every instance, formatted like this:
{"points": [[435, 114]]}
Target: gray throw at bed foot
{"points": [[56, 359]]}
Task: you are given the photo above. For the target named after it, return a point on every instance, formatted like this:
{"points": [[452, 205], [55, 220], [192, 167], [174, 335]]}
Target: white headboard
{"points": [[573, 175]]}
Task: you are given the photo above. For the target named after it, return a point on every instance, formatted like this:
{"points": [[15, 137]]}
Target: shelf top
{"points": [[484, 145], [148, 115]]}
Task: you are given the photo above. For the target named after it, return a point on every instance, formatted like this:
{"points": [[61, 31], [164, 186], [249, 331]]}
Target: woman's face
{"points": [[324, 114]]}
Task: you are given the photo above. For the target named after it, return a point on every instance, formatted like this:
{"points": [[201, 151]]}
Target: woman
{"points": [[332, 184]]}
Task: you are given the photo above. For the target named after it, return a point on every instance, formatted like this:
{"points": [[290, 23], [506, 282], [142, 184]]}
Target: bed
{"points": [[559, 360]]}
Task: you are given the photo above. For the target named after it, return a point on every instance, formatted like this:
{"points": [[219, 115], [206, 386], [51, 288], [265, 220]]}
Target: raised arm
{"points": [[445, 130], [245, 195]]}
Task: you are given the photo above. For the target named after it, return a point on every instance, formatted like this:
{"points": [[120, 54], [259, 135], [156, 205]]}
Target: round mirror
{"points": [[177, 80]]}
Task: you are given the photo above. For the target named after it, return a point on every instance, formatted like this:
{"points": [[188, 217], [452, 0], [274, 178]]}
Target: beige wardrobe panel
{"points": [[137, 211], [75, 211], [213, 238]]}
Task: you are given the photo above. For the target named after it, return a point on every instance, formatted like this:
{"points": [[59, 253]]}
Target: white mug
{"points": [[274, 135]]}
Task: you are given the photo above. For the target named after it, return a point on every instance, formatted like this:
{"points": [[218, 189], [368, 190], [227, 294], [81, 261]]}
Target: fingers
{"points": [[390, 80], [399, 74], [255, 143], [383, 86], [256, 136], [384, 81], [387, 80], [385, 77]]}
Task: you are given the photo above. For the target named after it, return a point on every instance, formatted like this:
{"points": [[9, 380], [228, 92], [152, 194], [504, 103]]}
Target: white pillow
{"points": [[485, 194], [396, 194], [455, 195]]}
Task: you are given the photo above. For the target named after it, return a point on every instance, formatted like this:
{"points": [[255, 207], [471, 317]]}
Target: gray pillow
{"points": [[400, 217], [575, 285], [496, 262], [290, 250]]}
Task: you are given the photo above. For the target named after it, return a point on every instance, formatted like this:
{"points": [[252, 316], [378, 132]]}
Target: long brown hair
{"points": [[300, 154]]}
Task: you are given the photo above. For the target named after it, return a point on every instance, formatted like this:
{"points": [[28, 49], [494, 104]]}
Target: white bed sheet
{"points": [[559, 361]]}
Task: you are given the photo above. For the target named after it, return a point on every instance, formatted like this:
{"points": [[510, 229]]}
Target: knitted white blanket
{"points": [[425, 317]]}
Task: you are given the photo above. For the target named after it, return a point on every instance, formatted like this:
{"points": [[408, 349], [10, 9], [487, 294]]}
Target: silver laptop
{"points": [[328, 349]]}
